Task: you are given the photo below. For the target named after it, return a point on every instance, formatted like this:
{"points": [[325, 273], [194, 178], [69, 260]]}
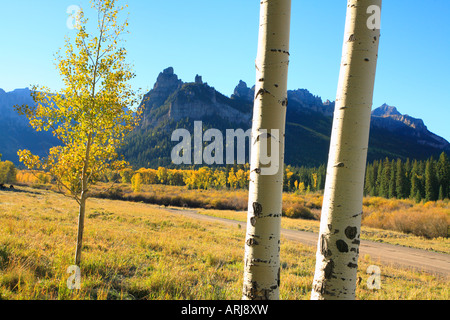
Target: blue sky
{"points": [[218, 40]]}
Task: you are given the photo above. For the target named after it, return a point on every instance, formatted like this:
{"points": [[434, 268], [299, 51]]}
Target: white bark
{"points": [[340, 226], [262, 246], [83, 198]]}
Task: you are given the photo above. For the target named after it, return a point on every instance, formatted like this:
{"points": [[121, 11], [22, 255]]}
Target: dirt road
{"points": [[422, 260]]}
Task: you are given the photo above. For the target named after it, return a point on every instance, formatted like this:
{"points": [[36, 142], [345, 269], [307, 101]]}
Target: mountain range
{"points": [[174, 104], [15, 130]]}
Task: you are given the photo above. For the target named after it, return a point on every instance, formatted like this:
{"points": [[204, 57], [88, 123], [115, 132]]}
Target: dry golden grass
{"points": [[138, 251], [428, 220], [367, 233]]}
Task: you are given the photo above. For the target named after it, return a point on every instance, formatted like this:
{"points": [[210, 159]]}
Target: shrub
{"points": [[136, 182], [428, 224], [8, 172], [430, 220], [126, 175], [297, 210], [115, 193]]}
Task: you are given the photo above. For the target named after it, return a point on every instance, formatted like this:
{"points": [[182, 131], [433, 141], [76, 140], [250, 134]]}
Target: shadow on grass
{"points": [[16, 189]]}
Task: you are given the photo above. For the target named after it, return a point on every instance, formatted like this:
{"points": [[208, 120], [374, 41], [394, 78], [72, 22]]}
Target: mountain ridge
{"points": [[172, 104], [308, 123], [16, 132]]}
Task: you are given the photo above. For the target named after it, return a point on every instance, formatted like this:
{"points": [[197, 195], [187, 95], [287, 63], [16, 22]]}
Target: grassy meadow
{"points": [[421, 225], [134, 250]]}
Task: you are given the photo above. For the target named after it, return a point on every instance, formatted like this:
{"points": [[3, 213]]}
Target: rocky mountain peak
{"points": [[167, 81], [243, 92], [198, 79], [390, 119], [173, 100], [397, 119], [307, 102], [15, 97], [385, 110]]}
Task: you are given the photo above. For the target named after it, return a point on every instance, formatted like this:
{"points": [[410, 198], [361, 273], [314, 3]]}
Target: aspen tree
{"points": [[91, 114], [340, 226], [262, 246]]}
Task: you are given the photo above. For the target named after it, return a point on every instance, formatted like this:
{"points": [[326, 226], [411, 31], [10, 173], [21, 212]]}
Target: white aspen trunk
{"points": [[262, 246], [340, 226], [81, 215], [83, 199]]}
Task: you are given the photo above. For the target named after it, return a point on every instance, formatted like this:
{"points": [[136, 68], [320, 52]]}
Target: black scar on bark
{"points": [[329, 269], [278, 279], [281, 51], [261, 92], [358, 214], [351, 232], [257, 209], [319, 287], [326, 252], [251, 290], [342, 246]]}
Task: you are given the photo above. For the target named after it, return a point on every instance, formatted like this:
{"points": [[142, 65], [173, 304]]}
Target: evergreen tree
{"points": [[443, 175], [368, 179], [421, 173], [431, 184], [385, 178], [392, 181], [441, 193], [415, 181], [400, 181], [407, 181], [374, 191], [378, 178], [321, 177], [418, 196]]}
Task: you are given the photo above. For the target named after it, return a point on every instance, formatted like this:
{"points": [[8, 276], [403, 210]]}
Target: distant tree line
{"points": [[230, 177], [298, 180], [427, 180], [303, 179]]}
